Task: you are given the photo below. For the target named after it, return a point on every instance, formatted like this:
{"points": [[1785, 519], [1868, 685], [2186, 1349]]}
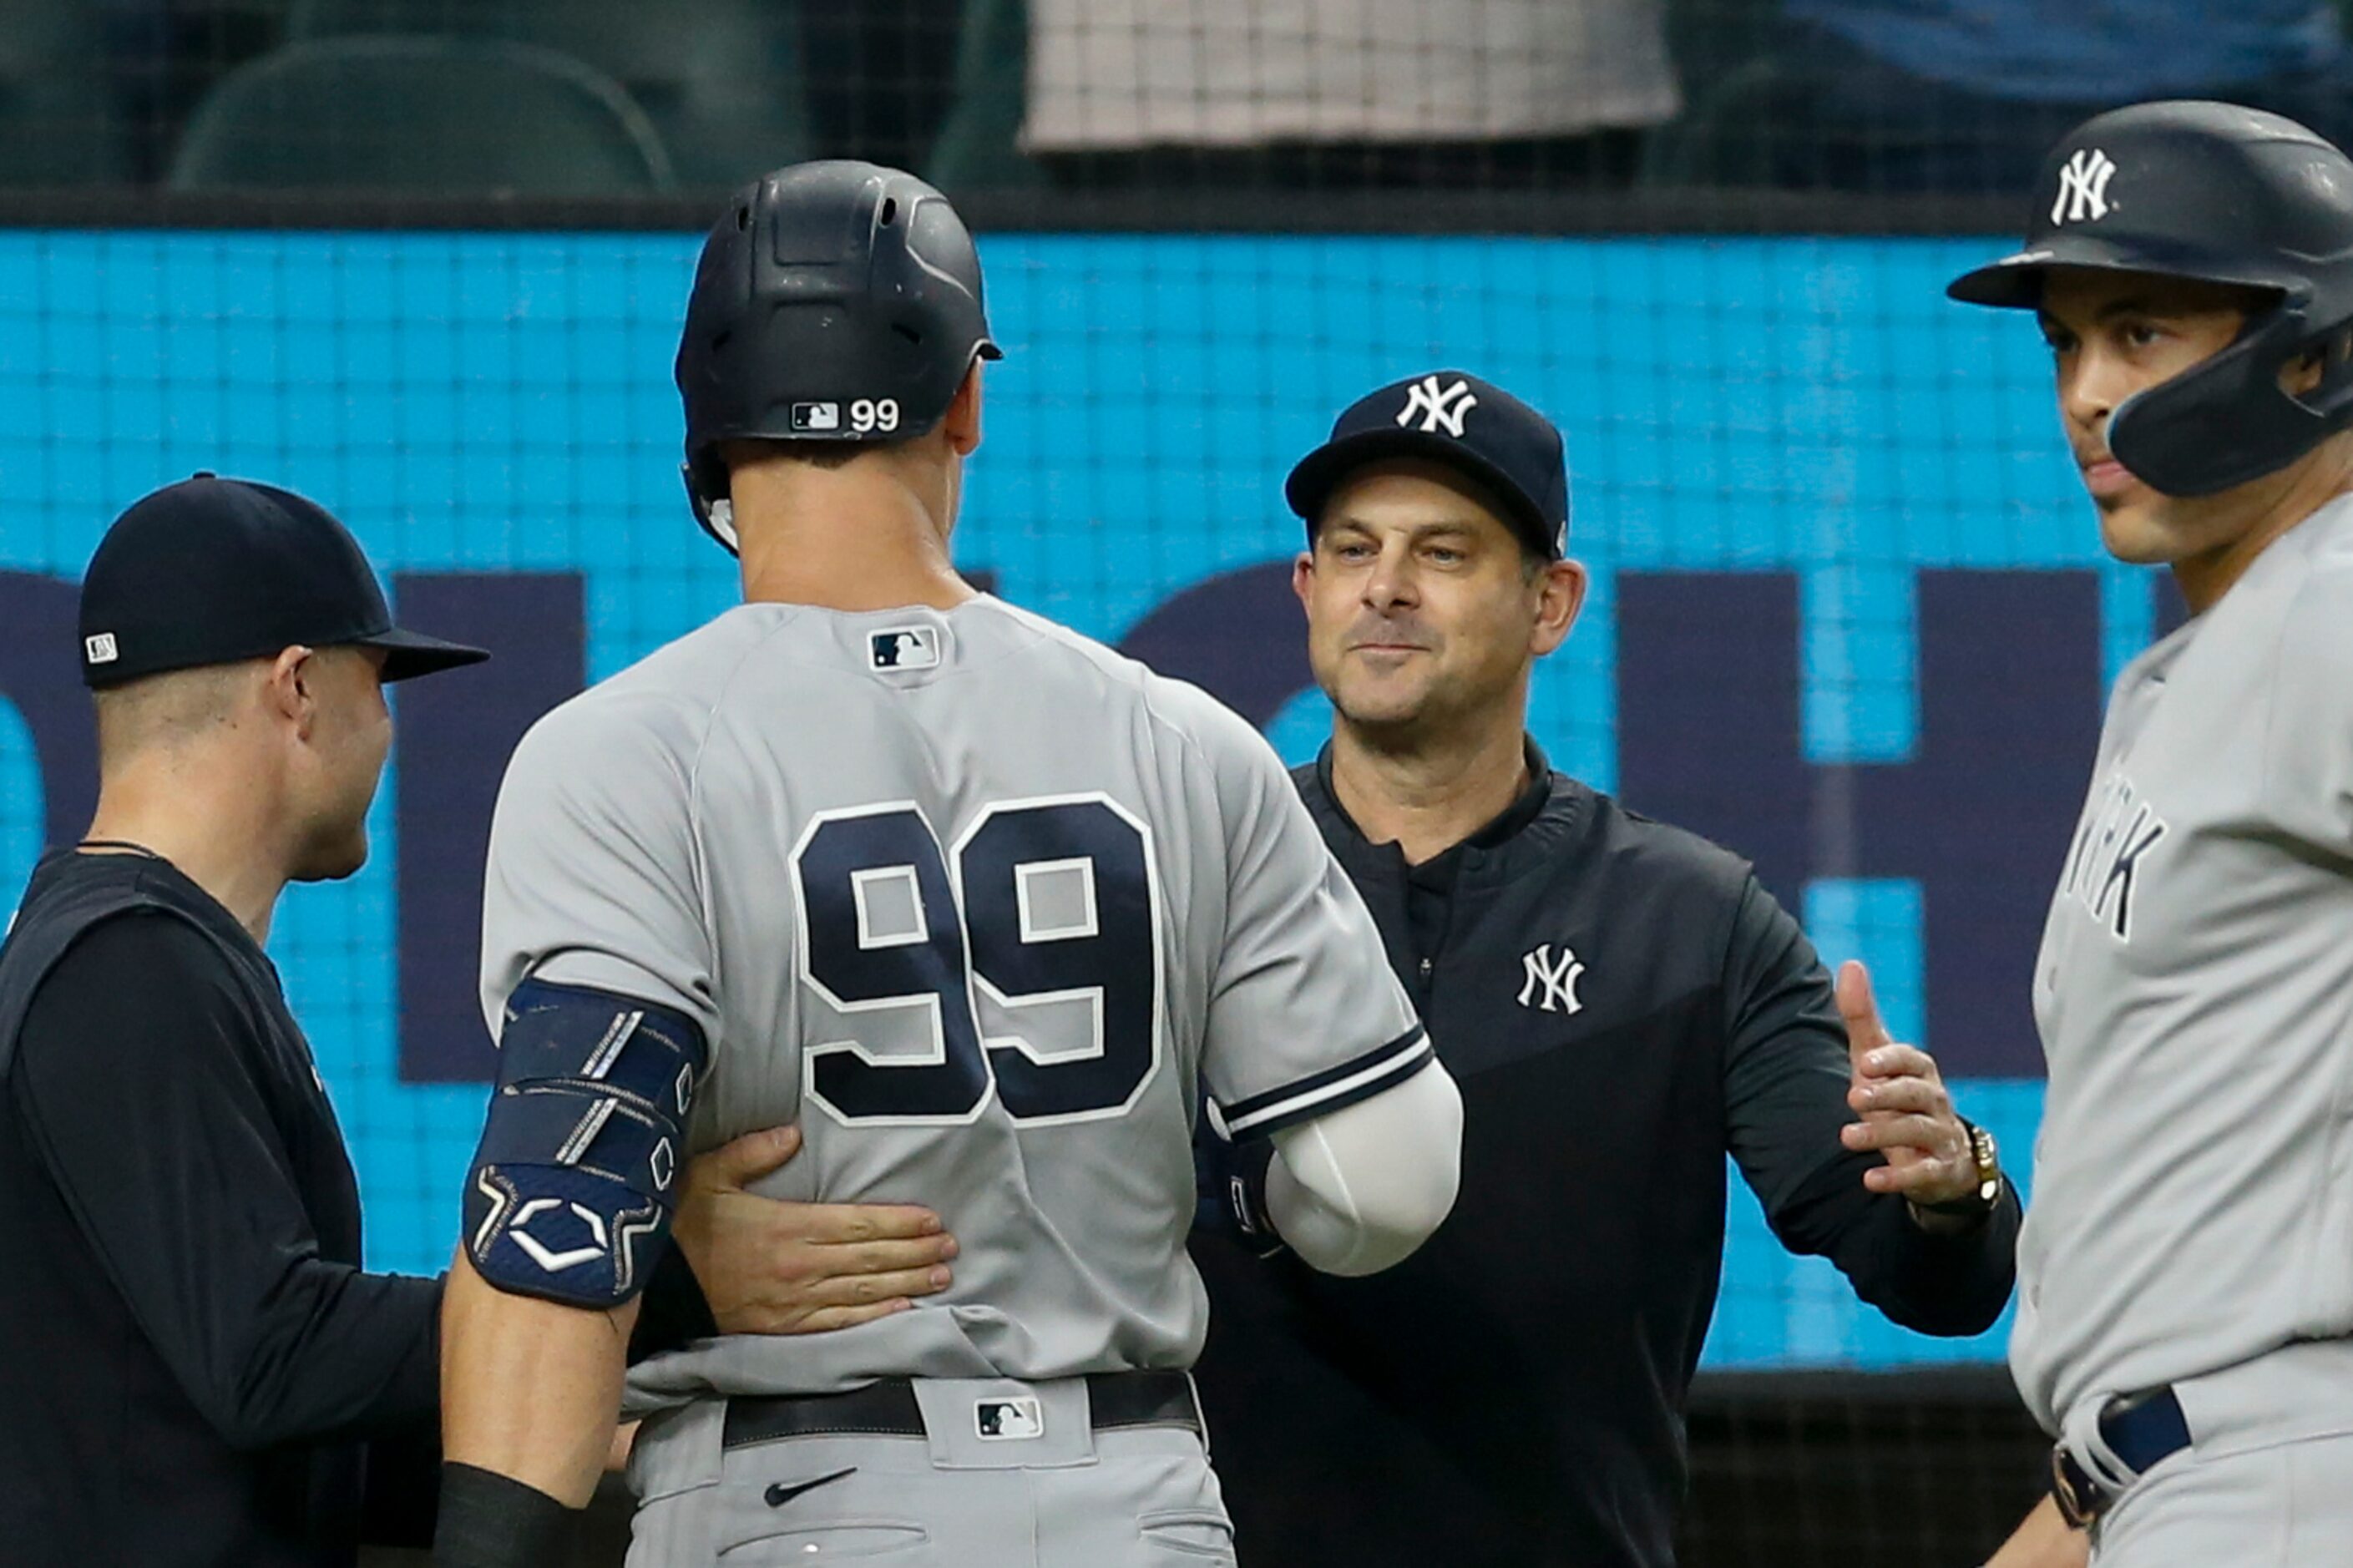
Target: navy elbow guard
{"points": [[573, 1185]]}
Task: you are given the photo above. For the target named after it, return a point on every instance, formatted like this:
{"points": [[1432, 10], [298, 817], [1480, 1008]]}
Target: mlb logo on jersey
{"points": [[904, 648], [1008, 1420]]}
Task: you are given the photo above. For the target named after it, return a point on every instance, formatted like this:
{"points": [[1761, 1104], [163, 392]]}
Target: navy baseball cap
{"points": [[1450, 417], [214, 571]]}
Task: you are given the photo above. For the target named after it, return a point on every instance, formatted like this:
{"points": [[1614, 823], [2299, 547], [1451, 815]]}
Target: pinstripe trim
{"points": [[1324, 1092]]}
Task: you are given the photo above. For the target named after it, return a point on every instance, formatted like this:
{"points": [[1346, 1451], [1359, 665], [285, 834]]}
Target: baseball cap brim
{"points": [[409, 655], [1321, 472]]}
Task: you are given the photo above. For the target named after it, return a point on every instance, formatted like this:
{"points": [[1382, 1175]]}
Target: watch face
{"points": [[1989, 1158]]}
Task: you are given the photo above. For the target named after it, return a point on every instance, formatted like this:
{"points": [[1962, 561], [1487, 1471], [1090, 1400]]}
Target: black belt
{"points": [[888, 1409], [2139, 1429]]}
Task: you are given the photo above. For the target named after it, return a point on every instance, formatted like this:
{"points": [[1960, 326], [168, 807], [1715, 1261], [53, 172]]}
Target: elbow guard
{"points": [[573, 1185]]}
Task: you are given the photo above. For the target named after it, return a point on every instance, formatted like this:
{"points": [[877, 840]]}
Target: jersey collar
{"points": [[1524, 833]]}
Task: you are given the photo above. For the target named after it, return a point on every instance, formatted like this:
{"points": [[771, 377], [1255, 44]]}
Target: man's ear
{"points": [[1303, 576], [1560, 597], [2302, 374], [963, 421], [289, 689]]}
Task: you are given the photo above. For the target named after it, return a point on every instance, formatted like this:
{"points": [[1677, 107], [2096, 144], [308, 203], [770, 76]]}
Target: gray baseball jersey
{"points": [[2193, 1179], [978, 902]]}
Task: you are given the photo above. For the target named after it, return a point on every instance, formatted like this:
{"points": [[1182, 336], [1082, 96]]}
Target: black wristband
{"points": [[491, 1520]]}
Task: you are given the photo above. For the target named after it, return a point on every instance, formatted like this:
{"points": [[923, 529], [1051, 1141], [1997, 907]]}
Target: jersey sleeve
{"points": [[1306, 1016], [2309, 742], [595, 875]]}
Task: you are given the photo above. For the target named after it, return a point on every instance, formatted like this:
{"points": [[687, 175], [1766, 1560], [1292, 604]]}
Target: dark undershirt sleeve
{"points": [[404, 1484], [673, 1313], [137, 1087], [1786, 1077]]}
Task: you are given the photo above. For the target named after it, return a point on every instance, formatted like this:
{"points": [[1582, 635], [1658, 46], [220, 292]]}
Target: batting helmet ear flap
{"points": [[706, 491], [2227, 420]]}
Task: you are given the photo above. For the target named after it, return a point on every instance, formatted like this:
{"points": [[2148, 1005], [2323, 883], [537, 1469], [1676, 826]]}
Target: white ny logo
{"points": [[2084, 188], [1553, 979], [1437, 407]]}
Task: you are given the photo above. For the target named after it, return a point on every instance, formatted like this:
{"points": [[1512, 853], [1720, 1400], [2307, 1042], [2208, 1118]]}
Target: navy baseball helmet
{"points": [[835, 301], [2224, 194]]}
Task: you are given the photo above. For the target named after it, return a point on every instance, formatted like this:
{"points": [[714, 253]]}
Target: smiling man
{"points": [[2189, 1267], [1621, 1003]]}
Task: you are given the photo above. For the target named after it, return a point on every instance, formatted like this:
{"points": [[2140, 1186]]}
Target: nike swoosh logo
{"points": [[780, 1494]]}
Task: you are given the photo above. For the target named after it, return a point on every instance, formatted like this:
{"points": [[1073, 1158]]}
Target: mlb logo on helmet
{"points": [[816, 417]]}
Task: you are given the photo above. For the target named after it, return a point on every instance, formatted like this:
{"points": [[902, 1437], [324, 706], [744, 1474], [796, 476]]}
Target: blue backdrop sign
{"points": [[1850, 613]]}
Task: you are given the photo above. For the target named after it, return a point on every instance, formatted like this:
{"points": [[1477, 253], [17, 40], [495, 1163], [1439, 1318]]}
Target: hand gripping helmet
{"points": [[835, 301], [2224, 194]]}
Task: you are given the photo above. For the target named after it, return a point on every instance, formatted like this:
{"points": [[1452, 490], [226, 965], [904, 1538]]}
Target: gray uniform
{"points": [[978, 903], [2193, 1200]]}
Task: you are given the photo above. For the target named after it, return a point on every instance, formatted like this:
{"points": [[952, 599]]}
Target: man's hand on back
{"points": [[772, 1266]]}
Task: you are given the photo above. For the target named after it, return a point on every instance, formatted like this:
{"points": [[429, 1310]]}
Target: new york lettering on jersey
{"points": [[2120, 825], [955, 891]]}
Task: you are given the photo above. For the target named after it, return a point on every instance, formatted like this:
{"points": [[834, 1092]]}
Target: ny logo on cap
{"points": [[2084, 188], [1437, 405]]}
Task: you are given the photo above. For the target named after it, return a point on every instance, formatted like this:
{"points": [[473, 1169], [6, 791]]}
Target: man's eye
{"points": [[1444, 555], [2140, 334]]}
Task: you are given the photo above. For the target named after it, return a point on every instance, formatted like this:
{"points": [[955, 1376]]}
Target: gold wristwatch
{"points": [[1989, 1178]]}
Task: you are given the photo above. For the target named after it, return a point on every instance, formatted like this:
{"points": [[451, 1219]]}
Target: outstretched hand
{"points": [[1906, 1114], [769, 1266]]}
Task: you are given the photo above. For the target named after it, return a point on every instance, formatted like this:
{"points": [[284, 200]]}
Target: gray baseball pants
{"points": [[1065, 1495], [2266, 1481]]}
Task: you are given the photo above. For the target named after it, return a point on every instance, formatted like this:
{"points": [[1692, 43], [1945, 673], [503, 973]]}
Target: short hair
{"points": [[164, 709], [817, 454]]}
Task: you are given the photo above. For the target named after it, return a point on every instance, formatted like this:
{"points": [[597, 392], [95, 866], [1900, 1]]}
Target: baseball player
{"points": [[2187, 1269], [977, 902]]}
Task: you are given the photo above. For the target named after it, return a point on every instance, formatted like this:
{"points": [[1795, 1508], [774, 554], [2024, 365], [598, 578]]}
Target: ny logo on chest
{"points": [[1551, 981], [2119, 827]]}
